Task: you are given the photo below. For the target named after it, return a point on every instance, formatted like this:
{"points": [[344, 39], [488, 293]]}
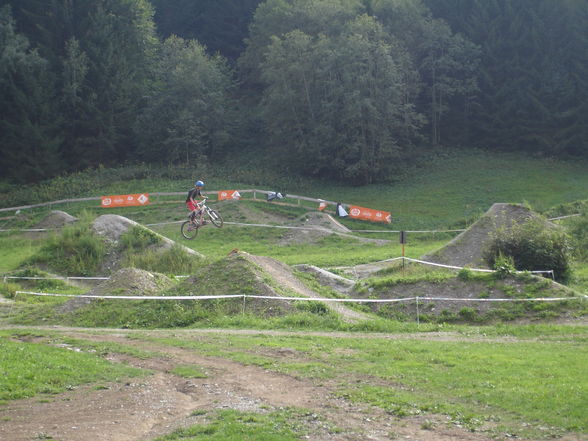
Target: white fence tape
{"points": [[424, 262], [308, 299], [564, 217], [53, 278]]}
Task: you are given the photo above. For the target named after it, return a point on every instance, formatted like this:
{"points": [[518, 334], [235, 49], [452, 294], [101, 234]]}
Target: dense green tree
{"points": [[99, 54], [28, 136], [533, 76], [278, 17], [337, 104], [446, 62], [187, 116]]}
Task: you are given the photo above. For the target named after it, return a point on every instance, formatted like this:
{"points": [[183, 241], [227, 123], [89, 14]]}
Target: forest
{"points": [[348, 90]]}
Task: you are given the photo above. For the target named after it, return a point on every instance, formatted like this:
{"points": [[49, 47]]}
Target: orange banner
{"points": [[228, 194], [369, 214], [125, 200]]}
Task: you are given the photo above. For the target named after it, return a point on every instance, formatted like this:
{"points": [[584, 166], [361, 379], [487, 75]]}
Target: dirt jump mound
{"points": [[467, 248], [112, 227], [124, 282], [315, 226], [56, 219]]}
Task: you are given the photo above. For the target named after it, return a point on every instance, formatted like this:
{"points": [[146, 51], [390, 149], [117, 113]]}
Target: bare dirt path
{"points": [[282, 274], [143, 409]]}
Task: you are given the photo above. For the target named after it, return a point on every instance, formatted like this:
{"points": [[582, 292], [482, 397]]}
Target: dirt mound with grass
{"points": [[112, 227], [467, 248], [56, 219], [478, 299], [124, 282], [283, 277], [315, 226], [244, 273], [237, 274]]}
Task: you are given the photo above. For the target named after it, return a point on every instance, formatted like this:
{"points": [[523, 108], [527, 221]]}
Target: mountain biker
{"points": [[192, 204]]}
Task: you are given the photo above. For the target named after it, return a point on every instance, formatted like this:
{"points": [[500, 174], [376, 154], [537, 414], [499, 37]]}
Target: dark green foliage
{"points": [[533, 246], [139, 238], [579, 233], [533, 76], [220, 25], [186, 117], [28, 135], [345, 89]]}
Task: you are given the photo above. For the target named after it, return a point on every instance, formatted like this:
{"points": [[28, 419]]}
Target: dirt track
{"points": [[141, 410]]}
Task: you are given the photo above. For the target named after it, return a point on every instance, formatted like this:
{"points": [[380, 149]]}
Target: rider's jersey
{"points": [[193, 194]]}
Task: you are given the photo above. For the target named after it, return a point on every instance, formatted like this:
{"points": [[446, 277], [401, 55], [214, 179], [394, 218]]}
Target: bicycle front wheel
{"points": [[189, 230], [215, 218]]}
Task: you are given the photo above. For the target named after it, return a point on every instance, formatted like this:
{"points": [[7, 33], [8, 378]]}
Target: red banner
{"points": [[369, 214], [228, 194], [125, 200]]}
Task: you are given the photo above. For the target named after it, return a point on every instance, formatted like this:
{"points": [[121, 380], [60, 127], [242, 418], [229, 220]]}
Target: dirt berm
{"points": [[467, 248]]}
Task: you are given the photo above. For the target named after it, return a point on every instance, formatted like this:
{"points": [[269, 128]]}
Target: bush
{"points": [[579, 233], [533, 246], [504, 266], [465, 274]]}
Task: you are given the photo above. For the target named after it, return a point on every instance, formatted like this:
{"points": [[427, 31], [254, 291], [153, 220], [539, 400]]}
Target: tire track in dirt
{"points": [[141, 410]]}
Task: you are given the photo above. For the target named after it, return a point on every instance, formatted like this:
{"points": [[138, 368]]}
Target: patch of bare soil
{"points": [[468, 247], [475, 295], [140, 410], [365, 270], [327, 278]]}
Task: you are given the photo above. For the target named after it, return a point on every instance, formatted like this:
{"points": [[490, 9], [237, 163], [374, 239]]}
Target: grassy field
{"points": [[448, 189], [29, 369], [531, 387]]}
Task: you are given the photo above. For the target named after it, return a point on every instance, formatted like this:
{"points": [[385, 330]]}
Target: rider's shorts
{"points": [[191, 206]]}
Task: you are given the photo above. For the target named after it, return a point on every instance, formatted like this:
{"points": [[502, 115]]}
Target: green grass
{"points": [[15, 250], [450, 188], [28, 369], [516, 386], [231, 425]]}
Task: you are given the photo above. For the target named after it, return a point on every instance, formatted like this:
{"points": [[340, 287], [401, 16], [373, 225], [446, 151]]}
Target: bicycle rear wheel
{"points": [[215, 218], [189, 230]]}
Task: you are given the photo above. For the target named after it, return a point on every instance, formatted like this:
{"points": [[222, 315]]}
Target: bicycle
{"points": [[191, 227]]}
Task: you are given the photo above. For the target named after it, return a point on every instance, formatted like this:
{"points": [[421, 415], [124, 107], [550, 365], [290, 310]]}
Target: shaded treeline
{"points": [[348, 89]]}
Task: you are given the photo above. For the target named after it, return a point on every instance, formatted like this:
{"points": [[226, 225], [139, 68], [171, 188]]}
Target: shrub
{"points": [[533, 246], [579, 233], [504, 266], [465, 274], [139, 238]]}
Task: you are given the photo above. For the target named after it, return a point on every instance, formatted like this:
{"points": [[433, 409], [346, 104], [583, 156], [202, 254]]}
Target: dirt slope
{"points": [[468, 247], [283, 275]]}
